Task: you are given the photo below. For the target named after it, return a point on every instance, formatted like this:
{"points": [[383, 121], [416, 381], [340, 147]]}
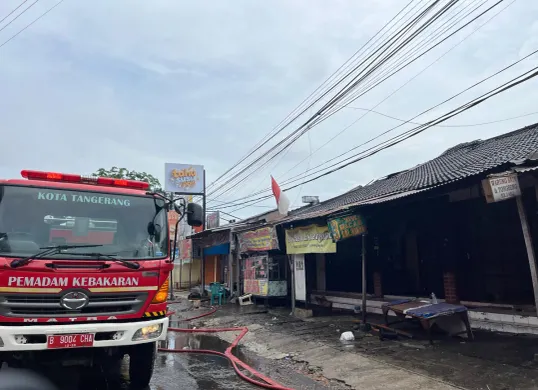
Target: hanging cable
{"points": [[30, 24], [12, 12], [347, 127], [306, 101], [394, 40], [18, 16], [408, 55], [419, 129], [416, 130], [304, 128]]}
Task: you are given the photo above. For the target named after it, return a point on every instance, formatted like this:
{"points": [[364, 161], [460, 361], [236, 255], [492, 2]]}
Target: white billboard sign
{"points": [[504, 187], [213, 220], [184, 178]]}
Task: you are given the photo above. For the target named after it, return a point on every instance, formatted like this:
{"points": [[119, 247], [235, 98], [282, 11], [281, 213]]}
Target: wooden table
{"points": [[427, 314]]}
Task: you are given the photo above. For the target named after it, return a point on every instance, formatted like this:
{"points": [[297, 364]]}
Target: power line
{"points": [[12, 12], [462, 125], [419, 129], [225, 213], [16, 17], [324, 113], [31, 23], [415, 131], [303, 129], [420, 114], [370, 85], [408, 24], [394, 92], [397, 139], [375, 56], [339, 70], [408, 55]]}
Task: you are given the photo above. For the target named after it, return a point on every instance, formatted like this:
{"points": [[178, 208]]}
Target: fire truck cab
{"points": [[84, 271]]}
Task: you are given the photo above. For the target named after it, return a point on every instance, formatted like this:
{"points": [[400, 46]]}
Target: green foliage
{"points": [[124, 173]]}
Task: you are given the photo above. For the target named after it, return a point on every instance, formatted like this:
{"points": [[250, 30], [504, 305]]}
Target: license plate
{"points": [[70, 340]]}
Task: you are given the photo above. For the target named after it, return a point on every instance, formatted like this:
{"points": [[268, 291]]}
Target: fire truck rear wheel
{"points": [[141, 364]]}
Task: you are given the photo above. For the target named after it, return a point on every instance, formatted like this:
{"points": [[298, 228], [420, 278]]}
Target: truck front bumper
{"points": [[113, 334]]}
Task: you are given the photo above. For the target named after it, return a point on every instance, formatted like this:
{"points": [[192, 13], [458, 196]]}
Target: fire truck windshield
{"points": [[32, 218]]}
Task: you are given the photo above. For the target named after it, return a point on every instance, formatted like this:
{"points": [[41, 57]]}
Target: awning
{"points": [[223, 249]]}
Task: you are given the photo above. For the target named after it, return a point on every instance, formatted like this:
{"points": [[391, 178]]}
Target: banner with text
{"points": [[259, 240], [309, 239], [501, 187], [345, 227]]}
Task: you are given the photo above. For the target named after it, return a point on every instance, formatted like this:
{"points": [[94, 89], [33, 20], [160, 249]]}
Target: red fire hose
{"points": [[264, 381]]}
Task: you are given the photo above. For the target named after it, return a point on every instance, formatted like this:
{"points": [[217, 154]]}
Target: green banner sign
{"points": [[345, 227]]}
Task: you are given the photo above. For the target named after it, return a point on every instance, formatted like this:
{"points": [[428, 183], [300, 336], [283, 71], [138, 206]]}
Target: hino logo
{"points": [[74, 300]]}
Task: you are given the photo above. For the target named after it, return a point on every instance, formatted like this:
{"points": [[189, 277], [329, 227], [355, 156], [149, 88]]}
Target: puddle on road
{"points": [[206, 341], [200, 371], [172, 370]]}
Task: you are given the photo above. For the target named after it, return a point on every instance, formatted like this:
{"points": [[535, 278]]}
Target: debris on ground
{"points": [[347, 336]]}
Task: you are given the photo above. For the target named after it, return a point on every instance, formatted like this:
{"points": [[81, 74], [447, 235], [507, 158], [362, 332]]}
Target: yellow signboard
{"points": [[309, 239]]}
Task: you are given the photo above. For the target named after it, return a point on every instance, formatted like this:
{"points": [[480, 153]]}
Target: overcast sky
{"points": [[135, 84]]}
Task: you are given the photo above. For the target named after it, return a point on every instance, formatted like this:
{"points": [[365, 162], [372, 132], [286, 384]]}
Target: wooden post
{"points": [[363, 308], [230, 265], [237, 268], [292, 267], [529, 246]]}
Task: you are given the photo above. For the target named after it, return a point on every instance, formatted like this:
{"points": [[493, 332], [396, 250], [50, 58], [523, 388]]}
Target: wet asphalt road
{"points": [[172, 371]]}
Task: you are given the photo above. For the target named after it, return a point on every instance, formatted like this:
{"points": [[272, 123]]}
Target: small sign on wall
{"points": [[501, 187]]}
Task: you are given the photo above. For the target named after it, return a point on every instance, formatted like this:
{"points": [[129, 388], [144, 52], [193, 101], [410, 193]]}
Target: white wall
{"points": [[300, 277]]}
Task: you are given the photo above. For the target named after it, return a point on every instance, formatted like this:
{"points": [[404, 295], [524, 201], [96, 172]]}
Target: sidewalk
{"points": [[491, 362], [181, 294]]}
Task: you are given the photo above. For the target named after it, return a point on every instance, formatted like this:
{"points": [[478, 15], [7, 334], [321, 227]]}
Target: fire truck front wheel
{"points": [[141, 364]]}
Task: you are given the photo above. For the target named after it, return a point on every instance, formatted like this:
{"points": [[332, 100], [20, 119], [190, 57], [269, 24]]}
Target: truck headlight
{"points": [[148, 332]]}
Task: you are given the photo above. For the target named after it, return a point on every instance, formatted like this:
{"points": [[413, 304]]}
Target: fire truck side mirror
{"points": [[195, 214]]}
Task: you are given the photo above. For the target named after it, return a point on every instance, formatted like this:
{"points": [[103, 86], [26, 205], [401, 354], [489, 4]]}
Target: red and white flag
{"points": [[282, 200]]}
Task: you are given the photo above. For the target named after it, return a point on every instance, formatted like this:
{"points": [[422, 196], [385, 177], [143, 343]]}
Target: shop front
{"points": [[264, 268], [308, 246], [215, 251], [216, 261]]}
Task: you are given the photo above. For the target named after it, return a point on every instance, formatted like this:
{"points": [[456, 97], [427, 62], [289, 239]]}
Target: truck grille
{"points": [[46, 305]]}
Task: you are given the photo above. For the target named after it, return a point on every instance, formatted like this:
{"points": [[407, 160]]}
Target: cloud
{"points": [[137, 84]]}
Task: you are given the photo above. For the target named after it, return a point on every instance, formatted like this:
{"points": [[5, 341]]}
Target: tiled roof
{"points": [[459, 162]]}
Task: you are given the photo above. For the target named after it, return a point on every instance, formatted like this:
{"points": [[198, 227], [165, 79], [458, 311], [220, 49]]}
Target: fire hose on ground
{"points": [[237, 364]]}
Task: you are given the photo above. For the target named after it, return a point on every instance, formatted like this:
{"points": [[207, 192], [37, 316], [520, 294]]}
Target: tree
{"points": [[124, 173]]}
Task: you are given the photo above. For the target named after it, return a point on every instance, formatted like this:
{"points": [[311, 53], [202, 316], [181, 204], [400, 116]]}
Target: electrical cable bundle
{"points": [[419, 29], [522, 78]]}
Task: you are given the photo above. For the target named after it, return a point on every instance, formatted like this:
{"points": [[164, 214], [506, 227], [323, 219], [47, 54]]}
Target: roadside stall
{"points": [[308, 245], [264, 271]]}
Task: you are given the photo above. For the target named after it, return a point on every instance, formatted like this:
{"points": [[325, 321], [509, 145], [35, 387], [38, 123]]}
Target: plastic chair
{"points": [[217, 290]]}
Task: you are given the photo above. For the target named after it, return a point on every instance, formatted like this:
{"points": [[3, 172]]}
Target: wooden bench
{"points": [[427, 314]]}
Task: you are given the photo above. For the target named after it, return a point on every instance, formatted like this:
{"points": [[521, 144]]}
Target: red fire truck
{"points": [[84, 271]]}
